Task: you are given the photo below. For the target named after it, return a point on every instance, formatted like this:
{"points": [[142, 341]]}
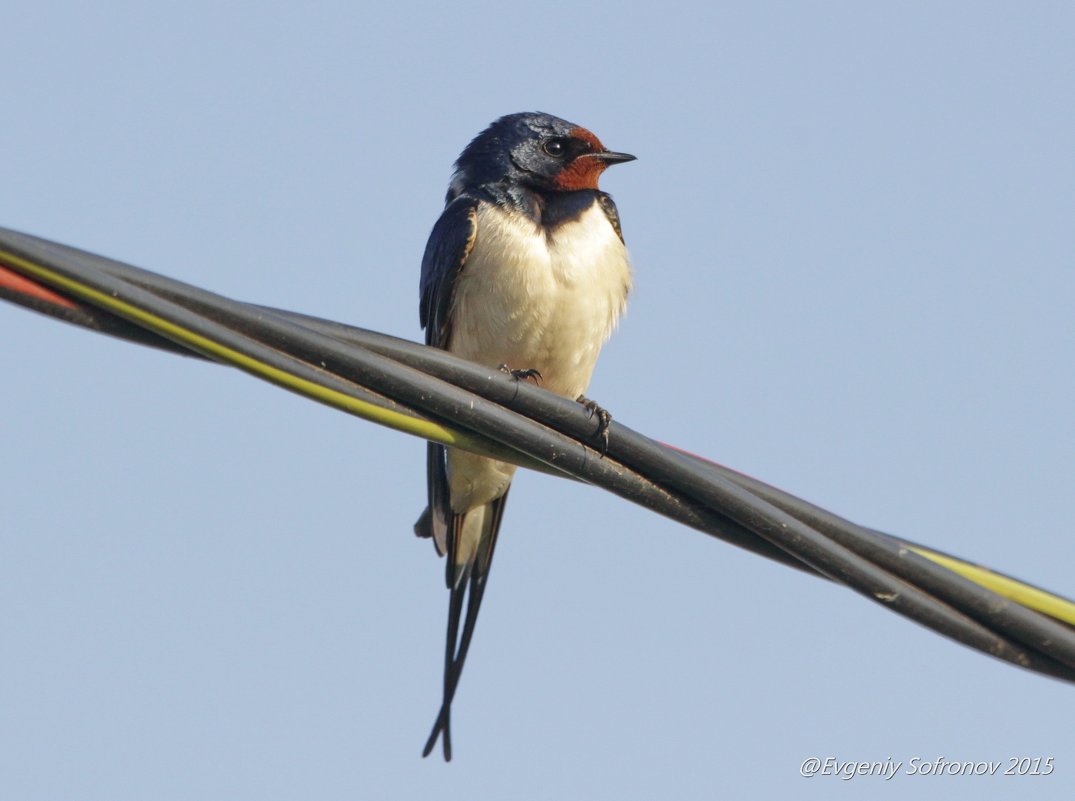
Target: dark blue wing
{"points": [[449, 245], [447, 250], [609, 208]]}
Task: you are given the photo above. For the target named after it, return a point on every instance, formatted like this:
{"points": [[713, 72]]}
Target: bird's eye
{"points": [[554, 147]]}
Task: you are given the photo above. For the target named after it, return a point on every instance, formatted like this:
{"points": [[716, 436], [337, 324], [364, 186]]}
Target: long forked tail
{"points": [[466, 583]]}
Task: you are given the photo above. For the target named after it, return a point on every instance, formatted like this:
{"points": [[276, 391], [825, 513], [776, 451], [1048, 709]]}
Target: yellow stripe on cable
{"points": [[368, 411], [1031, 597]]}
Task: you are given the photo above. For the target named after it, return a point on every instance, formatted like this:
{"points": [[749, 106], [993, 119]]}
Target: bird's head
{"points": [[537, 150]]}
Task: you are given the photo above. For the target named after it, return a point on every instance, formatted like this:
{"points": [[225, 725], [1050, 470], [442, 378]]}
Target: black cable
{"points": [[433, 385]]}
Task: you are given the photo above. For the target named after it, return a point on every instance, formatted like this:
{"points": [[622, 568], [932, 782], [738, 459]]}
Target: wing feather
{"points": [[449, 246]]}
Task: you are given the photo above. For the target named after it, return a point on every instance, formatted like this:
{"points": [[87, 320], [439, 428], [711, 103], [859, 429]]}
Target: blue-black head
{"points": [[539, 151]]}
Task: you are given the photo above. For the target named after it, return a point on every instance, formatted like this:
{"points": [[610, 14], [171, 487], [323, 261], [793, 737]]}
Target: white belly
{"points": [[530, 300]]}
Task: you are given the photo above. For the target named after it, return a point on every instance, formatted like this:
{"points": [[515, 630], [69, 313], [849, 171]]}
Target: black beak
{"points": [[614, 158]]}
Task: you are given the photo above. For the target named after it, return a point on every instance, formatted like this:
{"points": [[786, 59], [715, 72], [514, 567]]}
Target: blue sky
{"points": [[851, 227]]}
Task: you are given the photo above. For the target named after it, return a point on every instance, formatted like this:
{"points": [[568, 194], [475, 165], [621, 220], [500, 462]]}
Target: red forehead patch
{"points": [[583, 172], [587, 136]]}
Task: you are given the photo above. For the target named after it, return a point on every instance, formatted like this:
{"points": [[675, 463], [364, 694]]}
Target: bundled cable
{"points": [[431, 394]]}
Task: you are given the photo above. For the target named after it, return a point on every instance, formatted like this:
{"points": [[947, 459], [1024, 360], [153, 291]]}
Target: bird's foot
{"points": [[521, 375], [604, 419]]}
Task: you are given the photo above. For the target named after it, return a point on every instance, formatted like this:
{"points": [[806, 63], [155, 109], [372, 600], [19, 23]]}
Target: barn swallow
{"points": [[526, 267]]}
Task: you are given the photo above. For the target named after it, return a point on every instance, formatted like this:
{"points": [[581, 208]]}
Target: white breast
{"points": [[532, 300]]}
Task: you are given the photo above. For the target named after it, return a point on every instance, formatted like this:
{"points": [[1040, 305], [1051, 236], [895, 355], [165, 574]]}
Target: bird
{"points": [[525, 270]]}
